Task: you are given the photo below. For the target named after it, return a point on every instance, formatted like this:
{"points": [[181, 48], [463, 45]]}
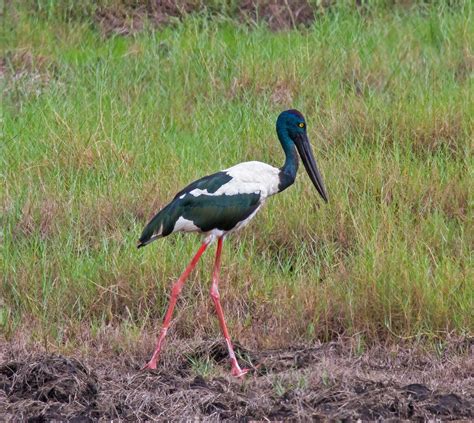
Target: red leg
{"points": [[177, 287], [236, 370]]}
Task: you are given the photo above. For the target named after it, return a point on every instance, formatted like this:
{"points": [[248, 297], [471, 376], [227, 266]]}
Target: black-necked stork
{"points": [[223, 202]]}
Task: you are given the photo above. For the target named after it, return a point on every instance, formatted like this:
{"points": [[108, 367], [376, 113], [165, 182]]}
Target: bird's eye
{"points": [[301, 125]]}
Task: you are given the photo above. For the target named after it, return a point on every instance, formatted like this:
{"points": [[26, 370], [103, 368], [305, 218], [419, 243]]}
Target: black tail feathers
{"points": [[160, 226]]}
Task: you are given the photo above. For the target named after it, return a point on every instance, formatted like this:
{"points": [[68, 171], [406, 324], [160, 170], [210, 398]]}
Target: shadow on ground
{"points": [[321, 382]]}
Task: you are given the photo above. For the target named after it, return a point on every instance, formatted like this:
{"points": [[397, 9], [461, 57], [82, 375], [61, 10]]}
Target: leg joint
{"points": [[215, 292], [176, 289]]}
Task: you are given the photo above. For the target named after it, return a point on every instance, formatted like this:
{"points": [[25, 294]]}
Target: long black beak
{"points": [[306, 153]]}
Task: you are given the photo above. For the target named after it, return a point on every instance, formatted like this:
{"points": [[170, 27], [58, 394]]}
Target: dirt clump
{"points": [[47, 387], [318, 382]]}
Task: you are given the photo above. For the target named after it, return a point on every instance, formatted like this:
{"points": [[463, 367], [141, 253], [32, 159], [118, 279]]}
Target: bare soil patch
{"points": [[311, 382], [126, 18]]}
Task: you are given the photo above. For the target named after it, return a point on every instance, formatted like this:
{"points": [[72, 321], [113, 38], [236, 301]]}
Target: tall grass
{"points": [[99, 133]]}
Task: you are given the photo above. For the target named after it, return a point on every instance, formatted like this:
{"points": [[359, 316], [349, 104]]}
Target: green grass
{"points": [[99, 133]]}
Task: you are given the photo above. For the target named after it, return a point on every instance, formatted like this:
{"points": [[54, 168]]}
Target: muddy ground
{"points": [[324, 381]]}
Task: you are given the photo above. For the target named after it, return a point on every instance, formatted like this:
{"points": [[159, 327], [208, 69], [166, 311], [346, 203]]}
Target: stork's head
{"points": [[291, 126], [291, 121]]}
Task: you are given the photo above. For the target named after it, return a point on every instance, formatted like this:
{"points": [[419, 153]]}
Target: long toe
{"points": [[238, 372], [151, 365]]}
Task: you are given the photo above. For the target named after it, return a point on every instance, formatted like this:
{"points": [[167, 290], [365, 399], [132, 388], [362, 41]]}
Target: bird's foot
{"points": [[155, 358], [237, 371], [151, 365]]}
